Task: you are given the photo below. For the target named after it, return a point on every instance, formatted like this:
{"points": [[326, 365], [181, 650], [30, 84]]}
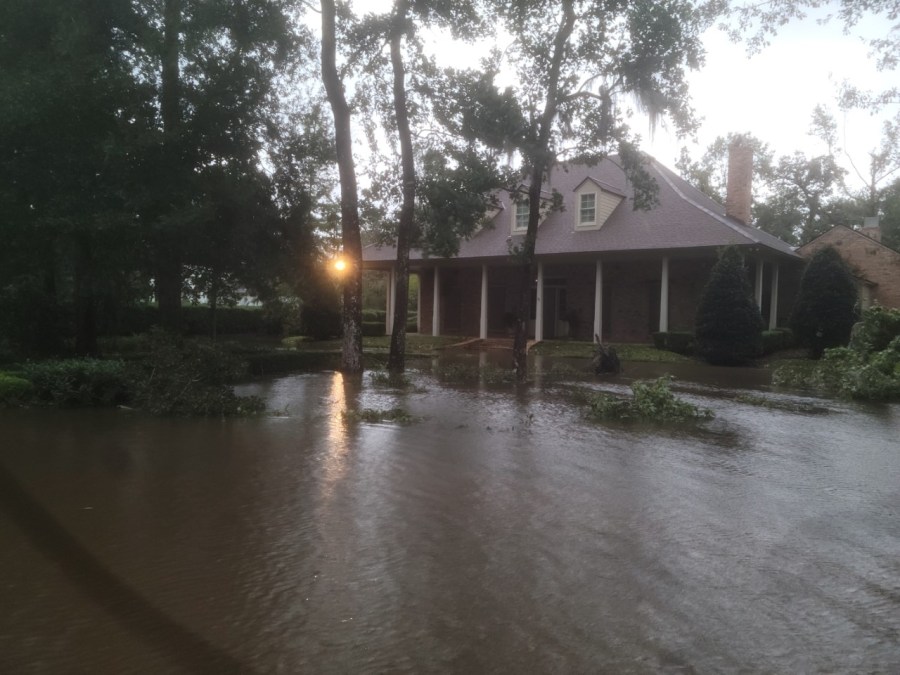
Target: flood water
{"points": [[500, 532]]}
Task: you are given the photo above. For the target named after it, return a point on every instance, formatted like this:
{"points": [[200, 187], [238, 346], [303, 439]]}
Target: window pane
{"points": [[588, 208], [522, 215]]}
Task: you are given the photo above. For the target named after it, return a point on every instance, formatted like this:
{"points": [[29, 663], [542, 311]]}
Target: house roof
{"points": [[685, 218], [837, 229]]}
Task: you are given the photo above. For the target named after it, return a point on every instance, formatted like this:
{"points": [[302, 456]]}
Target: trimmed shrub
{"points": [[374, 315], [728, 326], [14, 390], [79, 382], [680, 342], [320, 323], [372, 328], [825, 310], [773, 341]]}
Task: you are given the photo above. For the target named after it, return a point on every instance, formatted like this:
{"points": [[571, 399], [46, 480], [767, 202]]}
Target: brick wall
{"points": [[867, 258]]}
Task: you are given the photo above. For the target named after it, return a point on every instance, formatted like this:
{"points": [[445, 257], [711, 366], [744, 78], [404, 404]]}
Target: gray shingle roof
{"points": [[685, 218]]}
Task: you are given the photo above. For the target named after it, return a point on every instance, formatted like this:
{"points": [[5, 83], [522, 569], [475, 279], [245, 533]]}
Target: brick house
{"points": [[602, 267], [875, 265]]}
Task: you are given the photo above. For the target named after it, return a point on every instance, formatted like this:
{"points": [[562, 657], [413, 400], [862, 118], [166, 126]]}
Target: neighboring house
{"points": [[875, 265], [602, 267]]}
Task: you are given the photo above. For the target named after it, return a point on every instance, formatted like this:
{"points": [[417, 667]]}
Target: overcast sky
{"points": [[772, 94]]}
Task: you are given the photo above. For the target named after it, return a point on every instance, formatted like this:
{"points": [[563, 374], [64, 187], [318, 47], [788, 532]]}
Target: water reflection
{"points": [[342, 399], [502, 532]]}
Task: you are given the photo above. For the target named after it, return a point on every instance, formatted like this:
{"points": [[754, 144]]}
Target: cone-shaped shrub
{"points": [[826, 303], [728, 329]]}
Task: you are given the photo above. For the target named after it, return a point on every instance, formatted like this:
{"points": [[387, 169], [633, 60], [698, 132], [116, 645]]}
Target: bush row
{"points": [[869, 369], [682, 342], [177, 378]]}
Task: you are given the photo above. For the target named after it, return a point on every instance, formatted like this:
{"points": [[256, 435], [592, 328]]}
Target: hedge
{"points": [[680, 342]]}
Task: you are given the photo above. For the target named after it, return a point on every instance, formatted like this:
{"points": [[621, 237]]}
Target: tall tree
{"points": [[399, 86], [351, 308], [800, 191], [709, 174], [577, 62], [66, 100], [210, 68], [399, 28]]}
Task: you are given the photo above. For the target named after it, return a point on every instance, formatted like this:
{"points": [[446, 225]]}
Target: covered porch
{"points": [[620, 297]]}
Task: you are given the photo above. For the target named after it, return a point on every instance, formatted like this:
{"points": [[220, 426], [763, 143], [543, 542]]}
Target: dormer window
{"points": [[594, 203]]}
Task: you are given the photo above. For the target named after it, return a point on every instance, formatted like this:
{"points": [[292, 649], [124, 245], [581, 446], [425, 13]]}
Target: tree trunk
{"points": [[539, 162], [213, 306], [85, 302], [167, 269], [351, 309], [397, 356], [168, 287]]}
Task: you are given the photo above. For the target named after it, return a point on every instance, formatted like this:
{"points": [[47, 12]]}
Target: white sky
{"points": [[772, 94]]}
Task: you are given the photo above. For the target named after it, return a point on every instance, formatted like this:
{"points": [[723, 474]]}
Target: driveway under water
{"points": [[501, 532]]}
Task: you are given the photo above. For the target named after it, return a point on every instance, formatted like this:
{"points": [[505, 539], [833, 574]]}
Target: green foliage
{"points": [[825, 310], [372, 328], [79, 382], [729, 326], [674, 341], [650, 401], [320, 322], [192, 378], [869, 369], [875, 330], [14, 390], [776, 340]]}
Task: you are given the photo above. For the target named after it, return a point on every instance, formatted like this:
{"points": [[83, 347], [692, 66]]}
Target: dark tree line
{"points": [[145, 149]]}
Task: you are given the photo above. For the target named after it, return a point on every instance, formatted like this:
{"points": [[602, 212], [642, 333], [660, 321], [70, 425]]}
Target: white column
{"points": [[391, 291], [539, 305], [598, 299], [773, 299], [758, 286], [664, 296], [436, 305], [483, 325]]}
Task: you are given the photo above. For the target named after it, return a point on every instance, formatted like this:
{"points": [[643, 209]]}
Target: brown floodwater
{"points": [[500, 532]]}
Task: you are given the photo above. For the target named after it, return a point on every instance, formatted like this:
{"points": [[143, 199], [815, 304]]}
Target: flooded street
{"points": [[500, 532]]}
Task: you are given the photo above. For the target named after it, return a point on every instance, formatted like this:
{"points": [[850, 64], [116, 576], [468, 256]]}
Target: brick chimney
{"points": [[739, 196], [871, 228]]}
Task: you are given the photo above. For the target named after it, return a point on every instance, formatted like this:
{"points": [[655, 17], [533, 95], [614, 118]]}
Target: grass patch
{"points": [[373, 416], [626, 352], [14, 390]]}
